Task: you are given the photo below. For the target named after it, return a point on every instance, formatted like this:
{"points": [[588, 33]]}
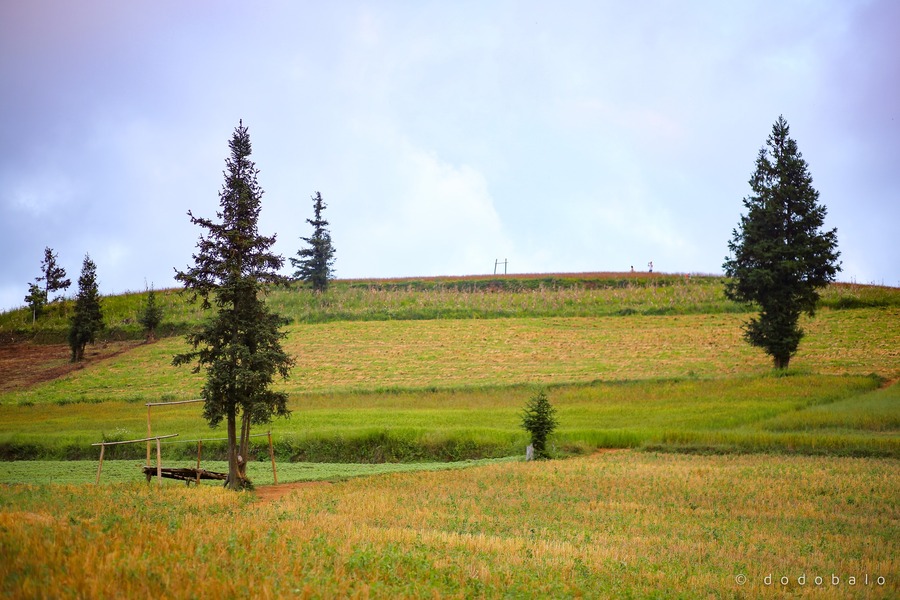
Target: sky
{"points": [[443, 136]]}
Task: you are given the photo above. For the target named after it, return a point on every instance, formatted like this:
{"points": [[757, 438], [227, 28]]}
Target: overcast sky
{"points": [[563, 136]]}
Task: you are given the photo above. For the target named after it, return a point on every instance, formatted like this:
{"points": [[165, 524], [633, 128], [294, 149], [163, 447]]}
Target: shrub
{"points": [[540, 421]]}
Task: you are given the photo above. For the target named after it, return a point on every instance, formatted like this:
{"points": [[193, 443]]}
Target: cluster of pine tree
{"points": [[87, 317], [54, 278]]}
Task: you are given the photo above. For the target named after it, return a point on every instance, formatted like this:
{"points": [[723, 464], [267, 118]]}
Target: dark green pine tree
{"points": [[780, 257], [240, 345], [87, 319], [53, 276], [314, 264], [151, 315]]}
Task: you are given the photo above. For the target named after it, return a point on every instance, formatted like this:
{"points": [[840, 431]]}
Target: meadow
{"points": [[352, 356], [615, 524], [814, 414], [451, 389], [477, 297], [117, 472], [686, 467]]}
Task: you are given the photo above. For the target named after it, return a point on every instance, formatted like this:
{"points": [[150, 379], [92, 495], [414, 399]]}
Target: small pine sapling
{"points": [[88, 317], [36, 299], [151, 315], [539, 419]]}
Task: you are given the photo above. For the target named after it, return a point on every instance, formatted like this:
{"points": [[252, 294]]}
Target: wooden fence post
{"points": [[272, 456], [100, 466], [199, 447], [149, 435], [158, 463], [103, 446]]}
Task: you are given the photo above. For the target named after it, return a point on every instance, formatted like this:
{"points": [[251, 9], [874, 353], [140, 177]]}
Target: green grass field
{"points": [[452, 354], [451, 389], [754, 413], [691, 468], [119, 472]]}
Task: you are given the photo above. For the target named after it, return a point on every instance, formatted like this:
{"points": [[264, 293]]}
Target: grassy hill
{"points": [[476, 297], [437, 369], [730, 479]]}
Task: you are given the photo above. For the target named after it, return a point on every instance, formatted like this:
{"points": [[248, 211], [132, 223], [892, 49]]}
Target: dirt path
{"points": [[24, 364], [271, 493]]}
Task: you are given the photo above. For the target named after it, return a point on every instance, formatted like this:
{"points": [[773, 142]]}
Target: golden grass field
{"points": [[372, 355], [615, 524]]}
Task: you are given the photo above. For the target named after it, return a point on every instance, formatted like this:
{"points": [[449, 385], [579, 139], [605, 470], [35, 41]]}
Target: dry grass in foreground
{"points": [[618, 524]]}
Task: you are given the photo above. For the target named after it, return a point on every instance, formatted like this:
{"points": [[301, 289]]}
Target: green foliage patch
{"points": [[736, 414], [65, 472]]}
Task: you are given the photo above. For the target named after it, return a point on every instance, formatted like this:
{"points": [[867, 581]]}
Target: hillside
{"points": [[478, 297], [438, 369]]}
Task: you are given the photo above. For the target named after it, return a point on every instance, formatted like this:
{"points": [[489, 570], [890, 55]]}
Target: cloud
{"points": [[584, 135], [431, 218], [41, 197]]}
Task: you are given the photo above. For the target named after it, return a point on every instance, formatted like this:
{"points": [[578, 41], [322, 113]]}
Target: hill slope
{"points": [[523, 296], [645, 369]]}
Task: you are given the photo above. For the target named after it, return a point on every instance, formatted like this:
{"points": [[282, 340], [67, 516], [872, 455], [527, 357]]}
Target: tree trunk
{"points": [[781, 362], [244, 446], [234, 481], [78, 353]]}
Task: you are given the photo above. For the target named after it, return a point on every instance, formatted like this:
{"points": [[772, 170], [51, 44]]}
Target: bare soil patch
{"points": [[271, 493], [25, 364]]}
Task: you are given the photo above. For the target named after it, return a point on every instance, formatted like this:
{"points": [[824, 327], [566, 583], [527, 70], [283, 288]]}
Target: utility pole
{"points": [[497, 262]]}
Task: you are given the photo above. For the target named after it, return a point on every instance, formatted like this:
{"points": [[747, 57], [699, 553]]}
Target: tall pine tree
{"points": [[315, 262], [53, 276], [779, 255], [240, 345], [87, 319]]}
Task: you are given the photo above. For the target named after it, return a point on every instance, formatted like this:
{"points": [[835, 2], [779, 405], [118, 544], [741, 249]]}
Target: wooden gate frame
{"points": [[150, 437], [149, 432], [103, 446]]}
